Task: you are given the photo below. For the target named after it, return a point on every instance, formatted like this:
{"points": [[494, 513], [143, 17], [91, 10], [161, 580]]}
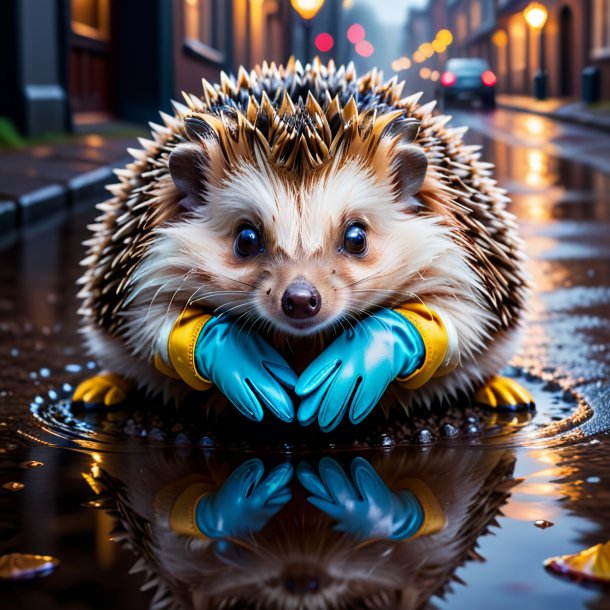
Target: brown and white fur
{"points": [[300, 153]]}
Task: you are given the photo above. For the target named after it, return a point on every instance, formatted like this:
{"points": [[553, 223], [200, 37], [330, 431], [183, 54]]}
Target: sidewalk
{"points": [[39, 180], [593, 115]]}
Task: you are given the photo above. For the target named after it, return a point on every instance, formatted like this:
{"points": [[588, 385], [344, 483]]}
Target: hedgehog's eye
{"points": [[354, 240], [248, 242]]}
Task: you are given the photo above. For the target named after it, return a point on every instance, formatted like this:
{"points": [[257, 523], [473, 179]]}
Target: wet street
{"points": [[94, 489]]}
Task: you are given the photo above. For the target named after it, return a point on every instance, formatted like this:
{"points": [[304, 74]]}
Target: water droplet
{"points": [[93, 504], [551, 386], [45, 372], [449, 431], [66, 387], [91, 364], [31, 464], [182, 439], [72, 368], [13, 486], [14, 352], [385, 440], [423, 436], [39, 400], [156, 435], [53, 395], [543, 524], [20, 566], [593, 480], [472, 430]]}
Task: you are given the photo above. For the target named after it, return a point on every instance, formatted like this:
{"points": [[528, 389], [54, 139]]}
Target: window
{"points": [[201, 21], [475, 15], [91, 18], [517, 35], [601, 29], [461, 27]]}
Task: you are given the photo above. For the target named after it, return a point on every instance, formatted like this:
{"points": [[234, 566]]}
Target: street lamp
{"points": [[307, 10], [536, 15]]}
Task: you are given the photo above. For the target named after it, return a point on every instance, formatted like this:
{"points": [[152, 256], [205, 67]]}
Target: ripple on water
{"points": [[55, 420]]}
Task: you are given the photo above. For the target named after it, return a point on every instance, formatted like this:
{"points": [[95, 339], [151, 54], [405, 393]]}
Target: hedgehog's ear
{"points": [[187, 164], [408, 165]]}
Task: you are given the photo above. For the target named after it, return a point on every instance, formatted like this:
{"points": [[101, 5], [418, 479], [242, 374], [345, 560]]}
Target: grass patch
{"points": [[9, 136], [11, 139]]}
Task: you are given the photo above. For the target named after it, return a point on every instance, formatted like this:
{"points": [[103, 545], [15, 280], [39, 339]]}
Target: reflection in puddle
{"points": [[371, 531], [21, 566]]}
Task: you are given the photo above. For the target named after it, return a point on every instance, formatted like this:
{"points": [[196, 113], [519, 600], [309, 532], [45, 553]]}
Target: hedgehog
{"points": [[295, 203]]}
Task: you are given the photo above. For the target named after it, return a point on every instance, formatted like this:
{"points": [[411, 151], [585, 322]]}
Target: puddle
{"points": [[465, 497], [56, 421]]}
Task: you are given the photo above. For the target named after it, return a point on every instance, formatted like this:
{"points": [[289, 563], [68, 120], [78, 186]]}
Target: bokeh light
{"points": [[364, 48], [426, 49], [418, 57], [438, 46], [425, 73], [500, 38], [324, 42], [355, 33], [445, 36]]}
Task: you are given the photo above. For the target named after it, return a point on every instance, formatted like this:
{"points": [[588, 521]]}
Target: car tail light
{"points": [[489, 78], [448, 79]]}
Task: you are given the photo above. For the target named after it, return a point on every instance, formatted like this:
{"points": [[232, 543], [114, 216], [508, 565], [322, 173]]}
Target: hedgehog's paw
{"points": [[504, 393], [105, 388]]}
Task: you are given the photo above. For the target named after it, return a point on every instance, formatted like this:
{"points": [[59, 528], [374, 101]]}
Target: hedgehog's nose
{"points": [[301, 300]]}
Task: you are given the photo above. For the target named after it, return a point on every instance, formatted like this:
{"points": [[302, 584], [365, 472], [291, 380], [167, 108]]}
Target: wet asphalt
{"points": [[554, 466]]}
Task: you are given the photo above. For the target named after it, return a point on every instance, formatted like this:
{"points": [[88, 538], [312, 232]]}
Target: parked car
{"points": [[468, 79]]}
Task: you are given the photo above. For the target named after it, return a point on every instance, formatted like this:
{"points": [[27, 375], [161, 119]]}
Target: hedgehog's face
{"points": [[303, 253]]}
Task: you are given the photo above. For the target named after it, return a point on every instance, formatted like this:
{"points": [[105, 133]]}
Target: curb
{"points": [[43, 201], [574, 119]]}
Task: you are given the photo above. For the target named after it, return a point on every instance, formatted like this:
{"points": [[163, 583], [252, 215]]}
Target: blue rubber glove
{"points": [[366, 507], [246, 501], [355, 370], [248, 370]]}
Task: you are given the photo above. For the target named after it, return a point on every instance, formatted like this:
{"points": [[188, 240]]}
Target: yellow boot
{"points": [[504, 393], [104, 388]]}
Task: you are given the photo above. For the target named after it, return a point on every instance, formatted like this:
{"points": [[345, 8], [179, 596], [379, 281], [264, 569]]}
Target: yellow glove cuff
{"points": [[181, 347], [179, 500], [164, 368], [434, 515], [434, 336]]}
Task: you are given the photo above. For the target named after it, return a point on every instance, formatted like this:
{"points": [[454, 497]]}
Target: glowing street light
{"points": [[307, 10], [535, 15]]}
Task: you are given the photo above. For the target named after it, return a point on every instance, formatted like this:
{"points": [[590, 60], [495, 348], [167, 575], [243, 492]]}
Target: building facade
{"points": [[69, 62], [576, 36]]}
